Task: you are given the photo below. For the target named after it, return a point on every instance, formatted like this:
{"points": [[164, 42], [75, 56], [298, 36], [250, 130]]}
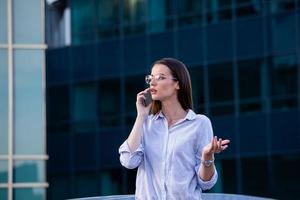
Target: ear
{"points": [[177, 86]]}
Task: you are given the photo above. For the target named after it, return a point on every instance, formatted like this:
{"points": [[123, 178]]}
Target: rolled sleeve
{"points": [[130, 159], [206, 185]]}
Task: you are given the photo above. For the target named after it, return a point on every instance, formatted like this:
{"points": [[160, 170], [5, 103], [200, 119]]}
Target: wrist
{"points": [[207, 156]]}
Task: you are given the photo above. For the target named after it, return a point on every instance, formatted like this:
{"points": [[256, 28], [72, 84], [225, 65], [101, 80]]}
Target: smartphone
{"points": [[148, 99]]}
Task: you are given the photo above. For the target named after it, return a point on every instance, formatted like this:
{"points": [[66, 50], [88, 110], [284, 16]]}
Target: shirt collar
{"points": [[189, 116]]}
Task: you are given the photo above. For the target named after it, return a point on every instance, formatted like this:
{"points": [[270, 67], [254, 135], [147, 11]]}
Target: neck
{"points": [[173, 110]]}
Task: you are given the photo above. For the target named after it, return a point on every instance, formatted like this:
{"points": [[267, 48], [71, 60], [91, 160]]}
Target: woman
{"points": [[172, 146]]}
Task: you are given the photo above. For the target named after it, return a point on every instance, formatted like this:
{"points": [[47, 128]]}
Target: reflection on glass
{"points": [[84, 107], [133, 85], [29, 102], [109, 102], [3, 193], [29, 193], [3, 21], [27, 21], [198, 88], [134, 16], [282, 5], [3, 171], [220, 82], [3, 101], [108, 18], [259, 167], [249, 73], [110, 182], [29, 171]]}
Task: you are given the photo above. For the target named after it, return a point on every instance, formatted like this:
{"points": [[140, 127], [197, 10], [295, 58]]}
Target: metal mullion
{"points": [[29, 46], [31, 185], [10, 100]]}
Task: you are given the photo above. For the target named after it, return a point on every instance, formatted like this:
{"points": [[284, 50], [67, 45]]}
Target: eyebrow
{"points": [[159, 74]]}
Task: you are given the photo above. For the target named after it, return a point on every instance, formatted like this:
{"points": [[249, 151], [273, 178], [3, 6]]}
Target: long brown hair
{"points": [[180, 72]]}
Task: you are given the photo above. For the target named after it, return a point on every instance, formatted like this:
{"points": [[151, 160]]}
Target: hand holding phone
{"points": [[148, 98]]}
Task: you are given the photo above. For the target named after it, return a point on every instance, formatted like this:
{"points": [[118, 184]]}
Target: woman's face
{"points": [[164, 88]]}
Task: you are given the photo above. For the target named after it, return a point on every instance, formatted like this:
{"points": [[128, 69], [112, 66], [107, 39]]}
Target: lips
{"points": [[153, 91]]}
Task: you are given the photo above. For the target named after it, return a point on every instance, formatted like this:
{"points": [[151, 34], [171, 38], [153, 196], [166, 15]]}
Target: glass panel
{"points": [[282, 5], [27, 21], [111, 182], [29, 171], [3, 102], [249, 73], [229, 173], [134, 16], [83, 21], [3, 21], [3, 193], [84, 107], [109, 102], [220, 82], [190, 12], [30, 193], [198, 88], [108, 18], [29, 102], [3, 171], [251, 169], [284, 81], [133, 85]]}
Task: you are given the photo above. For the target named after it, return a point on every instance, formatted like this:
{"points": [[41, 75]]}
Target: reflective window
{"points": [[3, 171], [27, 21], [133, 85], [3, 21], [58, 104], [29, 193], [218, 10], [160, 15], [134, 16], [198, 88], [282, 5], [250, 185], [248, 7], [108, 18], [249, 84], [221, 88], [3, 193], [86, 184], [228, 174], [111, 182], [3, 101], [109, 101], [29, 113], [83, 21], [84, 107], [284, 82], [29, 171], [283, 26], [190, 12]]}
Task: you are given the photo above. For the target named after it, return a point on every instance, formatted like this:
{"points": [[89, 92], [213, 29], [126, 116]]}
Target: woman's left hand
{"points": [[215, 146]]}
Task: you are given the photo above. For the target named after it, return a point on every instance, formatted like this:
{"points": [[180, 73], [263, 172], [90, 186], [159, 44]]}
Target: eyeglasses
{"points": [[157, 78]]}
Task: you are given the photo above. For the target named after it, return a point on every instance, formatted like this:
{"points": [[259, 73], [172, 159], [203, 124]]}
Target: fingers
{"points": [[219, 145]]}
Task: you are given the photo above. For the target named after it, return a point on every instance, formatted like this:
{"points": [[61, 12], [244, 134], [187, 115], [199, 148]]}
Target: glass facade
{"points": [[22, 100], [243, 57]]}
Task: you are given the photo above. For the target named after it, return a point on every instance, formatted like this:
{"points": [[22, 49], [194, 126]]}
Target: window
{"points": [[84, 108], [109, 102], [221, 88], [250, 85], [284, 82]]}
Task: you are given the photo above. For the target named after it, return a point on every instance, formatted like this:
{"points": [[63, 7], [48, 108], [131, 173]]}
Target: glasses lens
{"points": [[148, 79]]}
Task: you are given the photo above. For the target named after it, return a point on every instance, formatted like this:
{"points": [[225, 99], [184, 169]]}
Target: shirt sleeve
{"points": [[130, 159], [206, 135]]}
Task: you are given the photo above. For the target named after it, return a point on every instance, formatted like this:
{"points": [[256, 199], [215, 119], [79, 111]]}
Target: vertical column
{"points": [[10, 100]]}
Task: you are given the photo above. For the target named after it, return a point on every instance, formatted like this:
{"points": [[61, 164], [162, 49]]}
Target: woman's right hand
{"points": [[142, 110]]}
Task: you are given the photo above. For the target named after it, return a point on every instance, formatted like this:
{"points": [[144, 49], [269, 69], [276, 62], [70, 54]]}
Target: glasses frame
{"points": [[158, 77]]}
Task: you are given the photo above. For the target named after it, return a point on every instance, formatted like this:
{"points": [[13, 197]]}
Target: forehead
{"points": [[160, 69]]}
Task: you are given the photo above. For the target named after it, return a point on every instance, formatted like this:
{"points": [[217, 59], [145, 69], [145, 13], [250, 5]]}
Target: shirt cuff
{"points": [[125, 148], [206, 185]]}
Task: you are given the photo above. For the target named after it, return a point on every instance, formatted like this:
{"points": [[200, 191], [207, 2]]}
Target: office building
{"points": [[243, 56]]}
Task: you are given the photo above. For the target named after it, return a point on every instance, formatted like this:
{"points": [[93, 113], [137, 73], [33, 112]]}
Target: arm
{"points": [[135, 136], [131, 150], [216, 146]]}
